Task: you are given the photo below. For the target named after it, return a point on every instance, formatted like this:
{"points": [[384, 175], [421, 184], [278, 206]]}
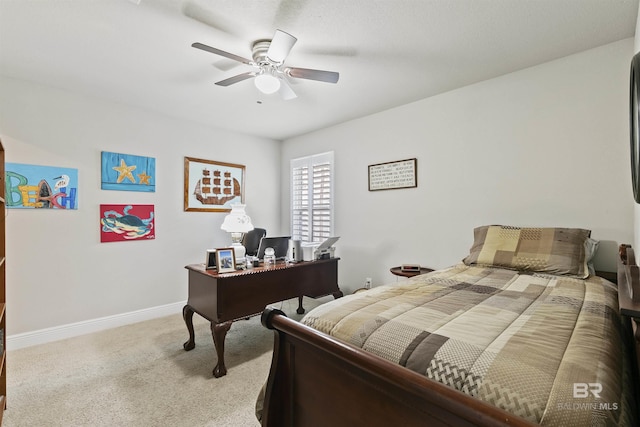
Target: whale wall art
{"points": [[122, 223], [40, 187]]}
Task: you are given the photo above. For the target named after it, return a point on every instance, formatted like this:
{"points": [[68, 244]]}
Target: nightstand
{"points": [[398, 271]]}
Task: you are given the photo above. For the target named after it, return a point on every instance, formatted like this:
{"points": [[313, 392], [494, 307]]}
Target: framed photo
{"points": [[225, 260], [211, 186], [393, 175], [210, 260]]}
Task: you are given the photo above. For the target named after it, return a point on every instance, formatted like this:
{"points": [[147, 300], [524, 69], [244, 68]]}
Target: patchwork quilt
{"points": [[547, 348]]}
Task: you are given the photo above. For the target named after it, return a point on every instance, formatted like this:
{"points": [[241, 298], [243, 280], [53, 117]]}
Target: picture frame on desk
{"points": [[225, 260], [210, 260]]}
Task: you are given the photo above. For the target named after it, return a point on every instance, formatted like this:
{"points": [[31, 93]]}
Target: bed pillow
{"points": [[559, 251]]}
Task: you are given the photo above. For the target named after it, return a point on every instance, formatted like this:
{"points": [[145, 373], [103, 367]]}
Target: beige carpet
{"points": [[139, 375]]}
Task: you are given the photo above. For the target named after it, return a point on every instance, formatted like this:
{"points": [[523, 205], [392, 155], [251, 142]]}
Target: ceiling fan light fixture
{"points": [[269, 73], [267, 83]]}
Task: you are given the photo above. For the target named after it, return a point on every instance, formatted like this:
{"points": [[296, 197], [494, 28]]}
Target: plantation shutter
{"points": [[312, 197]]}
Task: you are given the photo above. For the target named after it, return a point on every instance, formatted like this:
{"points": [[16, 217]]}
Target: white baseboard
{"points": [[56, 333]]}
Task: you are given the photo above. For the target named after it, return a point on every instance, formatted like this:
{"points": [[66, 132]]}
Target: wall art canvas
{"points": [[40, 187], [128, 172], [212, 186], [121, 223]]}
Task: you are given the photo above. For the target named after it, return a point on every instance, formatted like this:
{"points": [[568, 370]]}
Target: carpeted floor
{"points": [[139, 375]]}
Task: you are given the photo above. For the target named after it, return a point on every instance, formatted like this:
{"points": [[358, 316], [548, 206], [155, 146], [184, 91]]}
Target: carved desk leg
{"points": [[187, 315], [219, 332], [300, 309]]}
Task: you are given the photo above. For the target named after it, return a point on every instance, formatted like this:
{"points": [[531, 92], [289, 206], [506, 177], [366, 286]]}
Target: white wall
{"points": [[58, 272], [544, 146]]}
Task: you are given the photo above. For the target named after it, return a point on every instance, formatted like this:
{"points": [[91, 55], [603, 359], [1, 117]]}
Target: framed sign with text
{"points": [[393, 175]]}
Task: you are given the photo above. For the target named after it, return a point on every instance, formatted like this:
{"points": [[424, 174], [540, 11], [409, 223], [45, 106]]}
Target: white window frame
{"points": [[315, 231]]}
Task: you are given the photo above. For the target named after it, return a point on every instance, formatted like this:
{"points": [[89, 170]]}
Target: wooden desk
{"points": [[223, 298]]}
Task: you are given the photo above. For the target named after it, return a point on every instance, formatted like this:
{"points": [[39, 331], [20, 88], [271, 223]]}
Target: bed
{"points": [[520, 333]]}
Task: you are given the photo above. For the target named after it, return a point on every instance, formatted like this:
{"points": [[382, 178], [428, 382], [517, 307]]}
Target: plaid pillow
{"points": [[558, 251]]}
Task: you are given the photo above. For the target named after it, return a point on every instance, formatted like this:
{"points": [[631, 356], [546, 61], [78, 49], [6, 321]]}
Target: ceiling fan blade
{"points": [[280, 46], [236, 79], [309, 74], [222, 53], [285, 90]]}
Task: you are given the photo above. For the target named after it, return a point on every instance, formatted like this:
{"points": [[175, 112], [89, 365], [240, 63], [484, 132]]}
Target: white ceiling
{"points": [[388, 52]]}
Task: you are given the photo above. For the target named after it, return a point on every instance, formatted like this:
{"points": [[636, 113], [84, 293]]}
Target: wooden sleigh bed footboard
{"points": [[316, 380]]}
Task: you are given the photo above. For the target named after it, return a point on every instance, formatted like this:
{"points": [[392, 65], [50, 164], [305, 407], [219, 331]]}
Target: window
{"points": [[312, 197]]}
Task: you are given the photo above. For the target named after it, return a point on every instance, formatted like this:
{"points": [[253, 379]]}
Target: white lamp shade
{"points": [[237, 221], [267, 83]]}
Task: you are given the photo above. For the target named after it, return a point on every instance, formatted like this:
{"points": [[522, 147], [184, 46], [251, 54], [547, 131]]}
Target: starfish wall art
{"points": [[128, 172]]}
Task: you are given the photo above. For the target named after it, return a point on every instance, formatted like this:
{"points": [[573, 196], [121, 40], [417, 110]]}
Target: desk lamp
{"points": [[237, 223]]}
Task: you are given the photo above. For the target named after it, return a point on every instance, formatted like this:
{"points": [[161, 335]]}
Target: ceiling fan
{"points": [[269, 74]]}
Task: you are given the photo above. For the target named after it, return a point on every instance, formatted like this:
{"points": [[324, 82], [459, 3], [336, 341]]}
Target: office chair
{"points": [[251, 240]]}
